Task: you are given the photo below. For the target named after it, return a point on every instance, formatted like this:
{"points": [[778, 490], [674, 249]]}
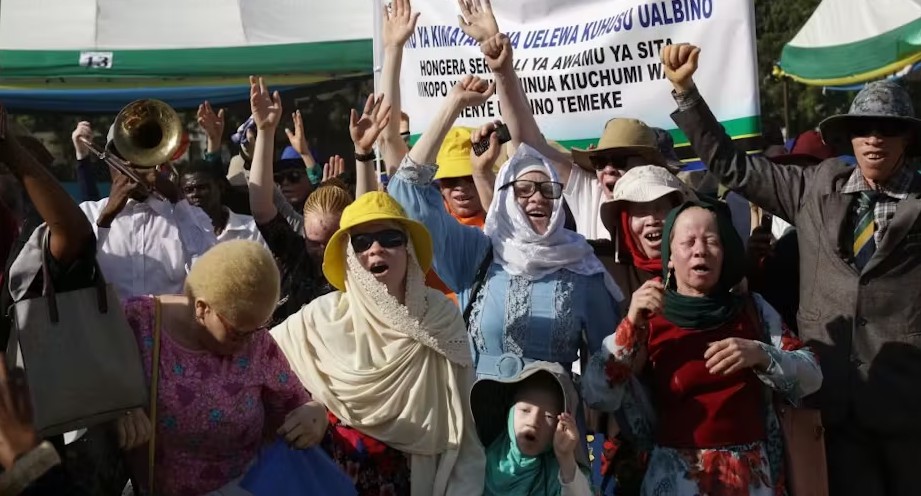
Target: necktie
{"points": [[864, 228]]}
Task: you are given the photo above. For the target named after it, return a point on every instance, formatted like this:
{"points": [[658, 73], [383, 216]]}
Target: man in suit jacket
{"points": [[860, 270]]}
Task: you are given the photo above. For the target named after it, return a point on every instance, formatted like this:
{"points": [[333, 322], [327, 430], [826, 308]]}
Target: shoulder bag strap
{"points": [[154, 382], [477, 285]]}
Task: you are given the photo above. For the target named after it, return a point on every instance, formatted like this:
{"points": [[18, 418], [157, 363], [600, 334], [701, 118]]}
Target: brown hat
{"points": [[623, 137]]}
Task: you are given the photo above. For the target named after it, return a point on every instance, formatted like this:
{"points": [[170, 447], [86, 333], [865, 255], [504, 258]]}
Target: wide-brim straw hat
{"points": [[623, 137], [491, 398], [370, 207], [642, 184], [879, 100]]}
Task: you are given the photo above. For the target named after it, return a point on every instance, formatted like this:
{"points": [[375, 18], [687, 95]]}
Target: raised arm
{"points": [[776, 188], [469, 91], [266, 113], [478, 21], [69, 228], [298, 140], [212, 123], [399, 24], [364, 131], [86, 176], [484, 178]]}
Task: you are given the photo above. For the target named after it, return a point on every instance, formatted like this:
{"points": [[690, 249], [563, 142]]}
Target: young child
{"points": [[530, 435]]}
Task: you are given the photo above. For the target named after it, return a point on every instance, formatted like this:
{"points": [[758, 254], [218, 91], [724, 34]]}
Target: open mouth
{"points": [[609, 185], [701, 269], [875, 155], [378, 268], [653, 237]]}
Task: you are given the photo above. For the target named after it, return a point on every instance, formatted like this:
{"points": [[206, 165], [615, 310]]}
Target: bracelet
{"points": [[365, 157]]}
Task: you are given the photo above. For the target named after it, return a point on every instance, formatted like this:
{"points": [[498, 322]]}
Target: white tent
{"points": [[116, 45], [853, 41]]}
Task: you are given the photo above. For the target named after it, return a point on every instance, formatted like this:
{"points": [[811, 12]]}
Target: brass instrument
{"points": [[146, 133]]}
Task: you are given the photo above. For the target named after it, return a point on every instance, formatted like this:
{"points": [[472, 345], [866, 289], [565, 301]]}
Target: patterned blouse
{"points": [[547, 319], [213, 410]]}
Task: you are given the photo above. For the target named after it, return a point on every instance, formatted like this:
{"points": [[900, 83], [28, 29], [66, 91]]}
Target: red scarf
{"points": [[640, 260]]}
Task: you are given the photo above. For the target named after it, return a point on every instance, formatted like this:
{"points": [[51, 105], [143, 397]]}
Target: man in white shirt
{"points": [[201, 185], [590, 180], [145, 246]]}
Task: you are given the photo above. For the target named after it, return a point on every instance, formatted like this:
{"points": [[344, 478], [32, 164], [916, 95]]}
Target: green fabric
{"points": [[852, 59], [720, 306], [511, 473], [333, 57]]}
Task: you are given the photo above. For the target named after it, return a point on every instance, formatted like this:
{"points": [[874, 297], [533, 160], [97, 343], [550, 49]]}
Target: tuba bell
{"points": [[147, 133]]}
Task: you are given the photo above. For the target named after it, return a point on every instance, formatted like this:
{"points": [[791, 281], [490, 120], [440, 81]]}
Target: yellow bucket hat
{"points": [[454, 156], [370, 207]]}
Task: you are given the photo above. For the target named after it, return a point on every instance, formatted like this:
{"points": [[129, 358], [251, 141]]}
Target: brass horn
{"points": [[147, 133]]}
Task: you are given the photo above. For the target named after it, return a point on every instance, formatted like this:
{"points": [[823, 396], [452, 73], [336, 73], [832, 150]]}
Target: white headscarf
{"points": [[523, 252]]}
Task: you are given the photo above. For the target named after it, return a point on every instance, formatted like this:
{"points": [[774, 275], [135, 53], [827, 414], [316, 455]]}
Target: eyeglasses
{"points": [[293, 176], [405, 137], [237, 335], [388, 238], [522, 188], [618, 161], [869, 127]]}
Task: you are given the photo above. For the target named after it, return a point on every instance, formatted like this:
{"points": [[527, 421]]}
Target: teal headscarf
{"points": [[720, 306], [510, 473]]}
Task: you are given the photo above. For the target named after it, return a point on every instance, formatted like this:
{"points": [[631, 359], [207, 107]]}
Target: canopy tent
{"points": [[847, 42], [92, 55]]}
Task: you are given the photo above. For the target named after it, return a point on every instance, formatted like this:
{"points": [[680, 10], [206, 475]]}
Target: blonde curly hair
{"points": [[239, 280], [330, 198]]}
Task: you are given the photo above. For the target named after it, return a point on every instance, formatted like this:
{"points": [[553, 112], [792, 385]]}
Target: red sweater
{"points": [[696, 408]]}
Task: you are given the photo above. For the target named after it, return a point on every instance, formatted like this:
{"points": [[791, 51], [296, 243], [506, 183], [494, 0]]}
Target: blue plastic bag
{"points": [[284, 471]]}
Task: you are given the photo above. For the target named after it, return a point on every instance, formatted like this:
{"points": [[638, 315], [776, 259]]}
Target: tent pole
{"points": [[378, 62], [786, 109]]}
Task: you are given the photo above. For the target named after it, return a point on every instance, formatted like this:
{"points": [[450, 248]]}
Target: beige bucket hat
{"points": [[641, 185]]}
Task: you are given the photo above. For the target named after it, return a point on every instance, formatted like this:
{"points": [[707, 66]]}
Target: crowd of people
{"points": [[471, 325]]}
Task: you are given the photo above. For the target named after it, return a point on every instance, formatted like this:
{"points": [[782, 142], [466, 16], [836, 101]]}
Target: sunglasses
{"points": [[405, 137], [599, 162], [887, 129], [388, 238], [550, 190], [453, 182], [292, 176]]}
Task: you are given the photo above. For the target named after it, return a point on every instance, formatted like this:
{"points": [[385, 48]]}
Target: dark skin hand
{"points": [[17, 433], [69, 229]]}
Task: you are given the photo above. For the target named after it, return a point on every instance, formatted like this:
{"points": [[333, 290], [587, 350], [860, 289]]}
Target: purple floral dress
{"points": [[213, 410]]}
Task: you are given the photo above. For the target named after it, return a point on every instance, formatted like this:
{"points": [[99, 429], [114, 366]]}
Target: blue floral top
{"points": [[545, 319]]}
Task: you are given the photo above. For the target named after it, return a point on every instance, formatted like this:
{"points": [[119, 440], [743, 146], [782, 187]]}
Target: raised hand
{"points": [[210, 122], [566, 437], [498, 52], [399, 23], [333, 169], [17, 433], [680, 64], [477, 19], [484, 163], [366, 128], [266, 107], [472, 91], [298, 138], [646, 301], [85, 131]]}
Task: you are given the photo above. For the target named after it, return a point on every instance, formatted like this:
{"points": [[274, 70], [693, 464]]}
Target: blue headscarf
{"points": [[509, 472]]}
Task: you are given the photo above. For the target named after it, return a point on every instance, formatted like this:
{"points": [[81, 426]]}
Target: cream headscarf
{"points": [[398, 373]]}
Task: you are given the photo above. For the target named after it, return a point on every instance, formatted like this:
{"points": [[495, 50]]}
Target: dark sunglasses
{"points": [[888, 129], [453, 182], [293, 176], [599, 162], [388, 238], [525, 189]]}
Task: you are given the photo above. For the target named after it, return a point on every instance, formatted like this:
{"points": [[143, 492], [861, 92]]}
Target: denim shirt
{"points": [[545, 319]]}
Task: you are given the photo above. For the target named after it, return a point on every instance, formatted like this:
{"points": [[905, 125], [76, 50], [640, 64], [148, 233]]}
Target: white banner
{"points": [[583, 62]]}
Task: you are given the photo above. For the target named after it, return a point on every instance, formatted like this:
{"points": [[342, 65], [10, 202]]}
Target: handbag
{"points": [[803, 436], [78, 352]]}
